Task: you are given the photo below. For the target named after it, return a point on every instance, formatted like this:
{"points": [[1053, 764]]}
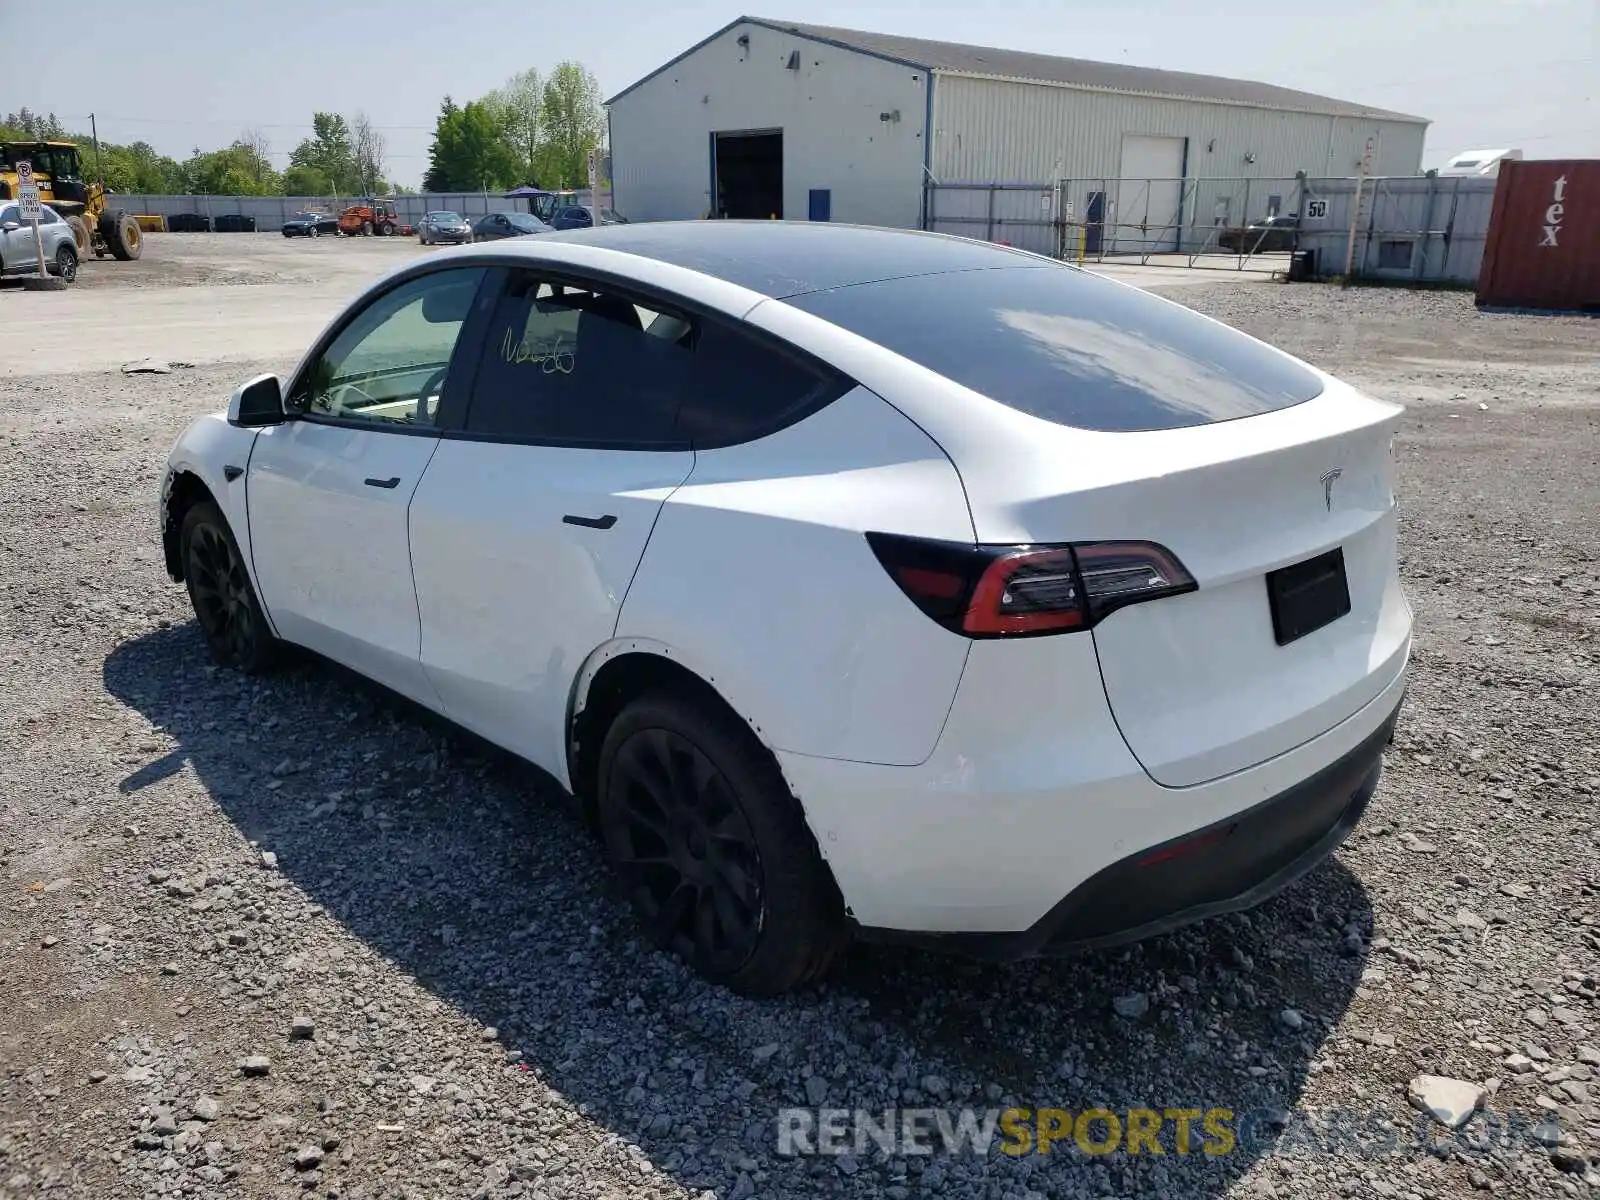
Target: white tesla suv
{"points": [[858, 582]]}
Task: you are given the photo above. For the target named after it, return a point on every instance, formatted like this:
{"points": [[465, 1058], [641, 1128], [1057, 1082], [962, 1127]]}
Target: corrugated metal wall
{"points": [[270, 211], [851, 124], [1412, 229], [992, 130]]}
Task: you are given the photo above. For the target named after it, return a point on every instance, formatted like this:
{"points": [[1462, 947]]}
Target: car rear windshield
{"points": [[1070, 347]]}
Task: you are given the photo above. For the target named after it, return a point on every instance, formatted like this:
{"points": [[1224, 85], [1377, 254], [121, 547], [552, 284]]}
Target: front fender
{"points": [[207, 450]]}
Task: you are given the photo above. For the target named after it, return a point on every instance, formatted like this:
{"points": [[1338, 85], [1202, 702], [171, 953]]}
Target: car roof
{"points": [[789, 258]]}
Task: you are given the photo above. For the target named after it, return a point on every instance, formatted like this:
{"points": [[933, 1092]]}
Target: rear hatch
{"points": [[1281, 536], [1106, 414]]}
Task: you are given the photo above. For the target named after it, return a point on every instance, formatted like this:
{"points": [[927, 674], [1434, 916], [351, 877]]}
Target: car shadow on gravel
{"points": [[470, 872]]}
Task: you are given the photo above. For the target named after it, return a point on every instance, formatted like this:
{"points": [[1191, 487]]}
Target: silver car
{"points": [[447, 227], [19, 255]]}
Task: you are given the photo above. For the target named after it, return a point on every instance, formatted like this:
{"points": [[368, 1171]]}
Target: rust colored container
{"points": [[1543, 248]]}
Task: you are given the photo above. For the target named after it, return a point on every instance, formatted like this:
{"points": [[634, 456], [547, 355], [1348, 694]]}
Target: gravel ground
{"points": [[290, 937]]}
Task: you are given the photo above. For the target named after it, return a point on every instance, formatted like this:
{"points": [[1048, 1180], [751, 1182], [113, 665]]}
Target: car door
{"points": [[528, 526], [13, 234], [328, 490]]}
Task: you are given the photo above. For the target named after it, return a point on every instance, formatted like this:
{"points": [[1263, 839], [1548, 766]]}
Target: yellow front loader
{"points": [[58, 172]]}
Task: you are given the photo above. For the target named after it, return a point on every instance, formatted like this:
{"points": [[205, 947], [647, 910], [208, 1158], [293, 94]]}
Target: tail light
{"points": [[1017, 591]]}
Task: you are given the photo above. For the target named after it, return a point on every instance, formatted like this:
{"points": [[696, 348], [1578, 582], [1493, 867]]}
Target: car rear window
{"points": [[1070, 347]]}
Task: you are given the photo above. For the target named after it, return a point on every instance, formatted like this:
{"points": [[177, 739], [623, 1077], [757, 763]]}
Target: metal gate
{"points": [[1220, 223]]}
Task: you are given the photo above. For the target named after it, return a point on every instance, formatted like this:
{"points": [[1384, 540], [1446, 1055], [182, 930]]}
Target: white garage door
{"points": [[1149, 195]]}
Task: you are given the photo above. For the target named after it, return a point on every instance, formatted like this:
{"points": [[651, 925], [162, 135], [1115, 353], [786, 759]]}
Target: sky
{"points": [[182, 74]]}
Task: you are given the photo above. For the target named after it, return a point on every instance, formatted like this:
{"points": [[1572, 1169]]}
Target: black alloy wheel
{"points": [[686, 852], [224, 602], [712, 848]]}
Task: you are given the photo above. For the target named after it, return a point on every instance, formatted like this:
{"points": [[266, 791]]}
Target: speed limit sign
{"points": [[27, 192]]}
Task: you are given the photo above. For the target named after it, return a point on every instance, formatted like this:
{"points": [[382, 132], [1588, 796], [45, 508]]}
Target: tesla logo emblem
{"points": [[1329, 478]]}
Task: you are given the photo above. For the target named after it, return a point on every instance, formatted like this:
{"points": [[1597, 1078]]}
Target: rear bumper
{"points": [[1227, 866], [1019, 835]]}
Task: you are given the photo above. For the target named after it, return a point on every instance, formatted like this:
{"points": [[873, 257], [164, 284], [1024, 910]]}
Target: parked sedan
{"points": [[576, 216], [496, 225], [449, 228], [19, 252], [311, 224], [1274, 235], [855, 581]]}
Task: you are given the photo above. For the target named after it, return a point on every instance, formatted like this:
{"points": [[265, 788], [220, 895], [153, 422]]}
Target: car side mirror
{"points": [[10, 227], [257, 402]]}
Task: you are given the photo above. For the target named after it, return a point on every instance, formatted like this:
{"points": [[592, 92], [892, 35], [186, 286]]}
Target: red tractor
{"points": [[368, 217]]}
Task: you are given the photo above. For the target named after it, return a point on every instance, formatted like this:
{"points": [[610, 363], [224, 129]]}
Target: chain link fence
{"points": [[1421, 229]]}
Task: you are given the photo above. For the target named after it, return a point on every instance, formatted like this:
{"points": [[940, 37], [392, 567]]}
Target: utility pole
{"points": [[1355, 216]]}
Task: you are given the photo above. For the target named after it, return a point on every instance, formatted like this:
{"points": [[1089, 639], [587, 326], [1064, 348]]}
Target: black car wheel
{"points": [[712, 847], [224, 601], [66, 263]]}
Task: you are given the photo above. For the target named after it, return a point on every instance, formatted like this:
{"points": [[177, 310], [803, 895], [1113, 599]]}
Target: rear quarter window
{"points": [[1070, 347]]}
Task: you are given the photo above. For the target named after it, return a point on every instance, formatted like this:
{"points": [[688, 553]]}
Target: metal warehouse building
{"points": [[769, 118]]}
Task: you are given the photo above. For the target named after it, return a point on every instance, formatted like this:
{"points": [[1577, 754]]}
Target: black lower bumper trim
{"points": [[1234, 864]]}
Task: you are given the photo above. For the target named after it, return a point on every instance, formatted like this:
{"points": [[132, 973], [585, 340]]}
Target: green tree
{"points": [[434, 178], [305, 181], [469, 152], [30, 126], [237, 170], [518, 108], [329, 150], [573, 125], [135, 168]]}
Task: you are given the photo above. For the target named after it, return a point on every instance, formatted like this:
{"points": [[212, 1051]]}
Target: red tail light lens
{"points": [[1011, 591]]}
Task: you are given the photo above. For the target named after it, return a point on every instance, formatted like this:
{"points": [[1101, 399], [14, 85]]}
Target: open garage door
{"points": [[747, 178], [1149, 195]]}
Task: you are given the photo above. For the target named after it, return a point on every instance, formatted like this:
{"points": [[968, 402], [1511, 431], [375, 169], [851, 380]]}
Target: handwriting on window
{"points": [[551, 359]]}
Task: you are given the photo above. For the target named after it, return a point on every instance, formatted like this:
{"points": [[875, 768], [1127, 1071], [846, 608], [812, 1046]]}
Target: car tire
{"points": [[706, 839], [66, 263], [366, 229], [313, 232], [225, 605]]}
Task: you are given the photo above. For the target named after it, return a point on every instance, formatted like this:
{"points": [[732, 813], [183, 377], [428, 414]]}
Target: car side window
{"points": [[47, 216], [571, 366], [387, 366], [743, 388], [10, 214]]}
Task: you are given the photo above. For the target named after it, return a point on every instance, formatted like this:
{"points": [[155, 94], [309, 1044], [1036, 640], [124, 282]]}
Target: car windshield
{"points": [[1070, 347], [444, 218]]}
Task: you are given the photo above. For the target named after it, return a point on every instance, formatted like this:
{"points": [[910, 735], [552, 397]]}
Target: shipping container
{"points": [[1543, 251]]}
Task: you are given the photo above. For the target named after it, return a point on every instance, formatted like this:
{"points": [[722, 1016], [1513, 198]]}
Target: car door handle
{"points": [[605, 522], [392, 482]]}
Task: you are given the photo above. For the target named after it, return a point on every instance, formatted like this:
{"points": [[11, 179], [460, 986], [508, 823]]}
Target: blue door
{"points": [[1094, 223], [821, 204]]}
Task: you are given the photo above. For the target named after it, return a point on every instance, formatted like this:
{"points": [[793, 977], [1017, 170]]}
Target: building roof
{"points": [[955, 58]]}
